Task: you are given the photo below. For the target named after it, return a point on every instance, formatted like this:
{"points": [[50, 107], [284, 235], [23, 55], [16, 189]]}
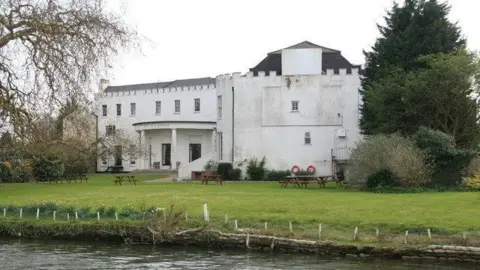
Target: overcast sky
{"points": [[192, 38]]}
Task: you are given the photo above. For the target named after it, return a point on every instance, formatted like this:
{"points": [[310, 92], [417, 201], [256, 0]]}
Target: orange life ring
{"points": [[311, 169], [295, 169]]}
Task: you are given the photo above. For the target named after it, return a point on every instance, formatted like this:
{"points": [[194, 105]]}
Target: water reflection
{"points": [[16, 254]]}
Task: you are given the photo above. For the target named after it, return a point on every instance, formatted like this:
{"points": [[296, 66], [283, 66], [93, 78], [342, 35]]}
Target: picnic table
{"points": [[121, 178], [212, 177], [304, 180]]}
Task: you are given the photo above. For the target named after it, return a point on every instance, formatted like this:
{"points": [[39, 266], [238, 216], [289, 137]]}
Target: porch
{"points": [[173, 145]]}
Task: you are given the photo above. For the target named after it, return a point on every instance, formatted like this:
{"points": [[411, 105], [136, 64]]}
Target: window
{"points": [[219, 107], [119, 109], [158, 107], [196, 105], [104, 110], [110, 130], [133, 109], [131, 152], [220, 145], [308, 139], [177, 106], [294, 106]]}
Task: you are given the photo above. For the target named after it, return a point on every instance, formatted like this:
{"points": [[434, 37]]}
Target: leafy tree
{"points": [[417, 28], [440, 96]]}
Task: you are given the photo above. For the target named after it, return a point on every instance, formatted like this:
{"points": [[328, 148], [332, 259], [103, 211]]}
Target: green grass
{"points": [[252, 204]]}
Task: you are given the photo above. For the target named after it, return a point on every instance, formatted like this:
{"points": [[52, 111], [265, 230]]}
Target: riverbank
{"points": [[131, 232]]}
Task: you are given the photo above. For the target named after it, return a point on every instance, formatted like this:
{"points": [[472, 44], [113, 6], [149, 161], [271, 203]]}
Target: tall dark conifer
{"points": [[417, 28]]}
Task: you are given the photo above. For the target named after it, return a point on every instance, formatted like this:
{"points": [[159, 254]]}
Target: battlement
{"points": [[159, 90], [329, 72]]}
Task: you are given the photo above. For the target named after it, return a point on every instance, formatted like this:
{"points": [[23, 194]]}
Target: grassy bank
{"points": [[252, 204]]}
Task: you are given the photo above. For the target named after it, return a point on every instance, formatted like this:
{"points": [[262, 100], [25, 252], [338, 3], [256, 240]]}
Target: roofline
{"points": [[173, 122]]}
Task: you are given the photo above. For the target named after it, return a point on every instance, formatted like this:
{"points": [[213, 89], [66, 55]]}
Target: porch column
{"points": [[174, 149], [142, 149], [214, 143]]}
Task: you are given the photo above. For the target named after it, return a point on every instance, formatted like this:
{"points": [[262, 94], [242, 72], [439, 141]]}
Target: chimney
{"points": [[103, 85]]}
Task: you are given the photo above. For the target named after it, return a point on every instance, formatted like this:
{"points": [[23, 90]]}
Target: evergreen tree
{"points": [[418, 28]]}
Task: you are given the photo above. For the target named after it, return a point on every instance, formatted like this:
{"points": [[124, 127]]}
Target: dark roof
{"points": [[159, 85], [331, 59], [167, 122], [306, 45]]}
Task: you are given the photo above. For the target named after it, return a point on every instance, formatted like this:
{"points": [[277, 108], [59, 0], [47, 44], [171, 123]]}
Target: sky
{"points": [[192, 38]]}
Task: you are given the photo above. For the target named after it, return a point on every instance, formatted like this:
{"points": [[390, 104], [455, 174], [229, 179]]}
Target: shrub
{"points": [[381, 178], [472, 182], [225, 170], [47, 167], [4, 173], [449, 163], [236, 174], [473, 167], [394, 152], [256, 169], [211, 166], [273, 175]]}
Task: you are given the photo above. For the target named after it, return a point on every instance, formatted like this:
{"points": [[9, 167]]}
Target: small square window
{"points": [[110, 130], [197, 105], [133, 109], [177, 106], [295, 106], [158, 107], [119, 109], [308, 139], [104, 110]]}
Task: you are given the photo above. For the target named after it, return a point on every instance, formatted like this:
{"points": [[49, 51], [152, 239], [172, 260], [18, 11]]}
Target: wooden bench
{"points": [[212, 177], [119, 179]]}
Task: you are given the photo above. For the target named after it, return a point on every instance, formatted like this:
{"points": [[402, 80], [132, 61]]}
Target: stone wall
{"points": [[270, 243]]}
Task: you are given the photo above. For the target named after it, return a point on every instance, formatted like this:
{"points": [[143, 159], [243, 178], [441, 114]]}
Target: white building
{"points": [[298, 106]]}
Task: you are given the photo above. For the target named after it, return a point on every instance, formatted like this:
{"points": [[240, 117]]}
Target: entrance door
{"points": [[166, 154], [195, 151], [118, 155]]}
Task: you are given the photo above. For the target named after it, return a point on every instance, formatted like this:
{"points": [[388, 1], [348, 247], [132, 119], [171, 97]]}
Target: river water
{"points": [[17, 254]]}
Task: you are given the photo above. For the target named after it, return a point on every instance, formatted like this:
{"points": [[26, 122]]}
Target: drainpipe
{"points": [[233, 125], [96, 142]]}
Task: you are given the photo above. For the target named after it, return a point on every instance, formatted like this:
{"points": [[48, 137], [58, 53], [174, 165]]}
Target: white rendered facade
{"points": [[303, 116]]}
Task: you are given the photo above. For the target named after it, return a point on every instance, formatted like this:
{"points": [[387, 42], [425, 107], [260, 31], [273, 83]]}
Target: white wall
{"points": [[266, 126], [302, 61]]}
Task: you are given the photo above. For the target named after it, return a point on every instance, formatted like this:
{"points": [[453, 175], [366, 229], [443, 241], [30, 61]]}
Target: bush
{"points": [[256, 169], [449, 163], [393, 152], [211, 166], [273, 175], [473, 167], [236, 174], [47, 168], [4, 172], [381, 178], [225, 170], [472, 182]]}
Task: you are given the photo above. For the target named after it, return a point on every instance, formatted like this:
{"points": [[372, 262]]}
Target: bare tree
{"points": [[52, 50]]}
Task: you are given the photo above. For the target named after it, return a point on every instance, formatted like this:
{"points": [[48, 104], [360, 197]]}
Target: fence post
{"points": [[406, 237], [186, 216], [291, 227], [21, 212], [266, 226], [38, 213], [54, 215], [68, 216], [4, 212], [226, 218], [236, 224], [116, 216], [355, 234], [205, 213], [320, 231], [429, 234], [98, 215], [76, 216]]}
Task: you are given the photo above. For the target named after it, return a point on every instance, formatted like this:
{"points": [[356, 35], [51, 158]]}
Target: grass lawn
{"points": [[255, 203]]}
